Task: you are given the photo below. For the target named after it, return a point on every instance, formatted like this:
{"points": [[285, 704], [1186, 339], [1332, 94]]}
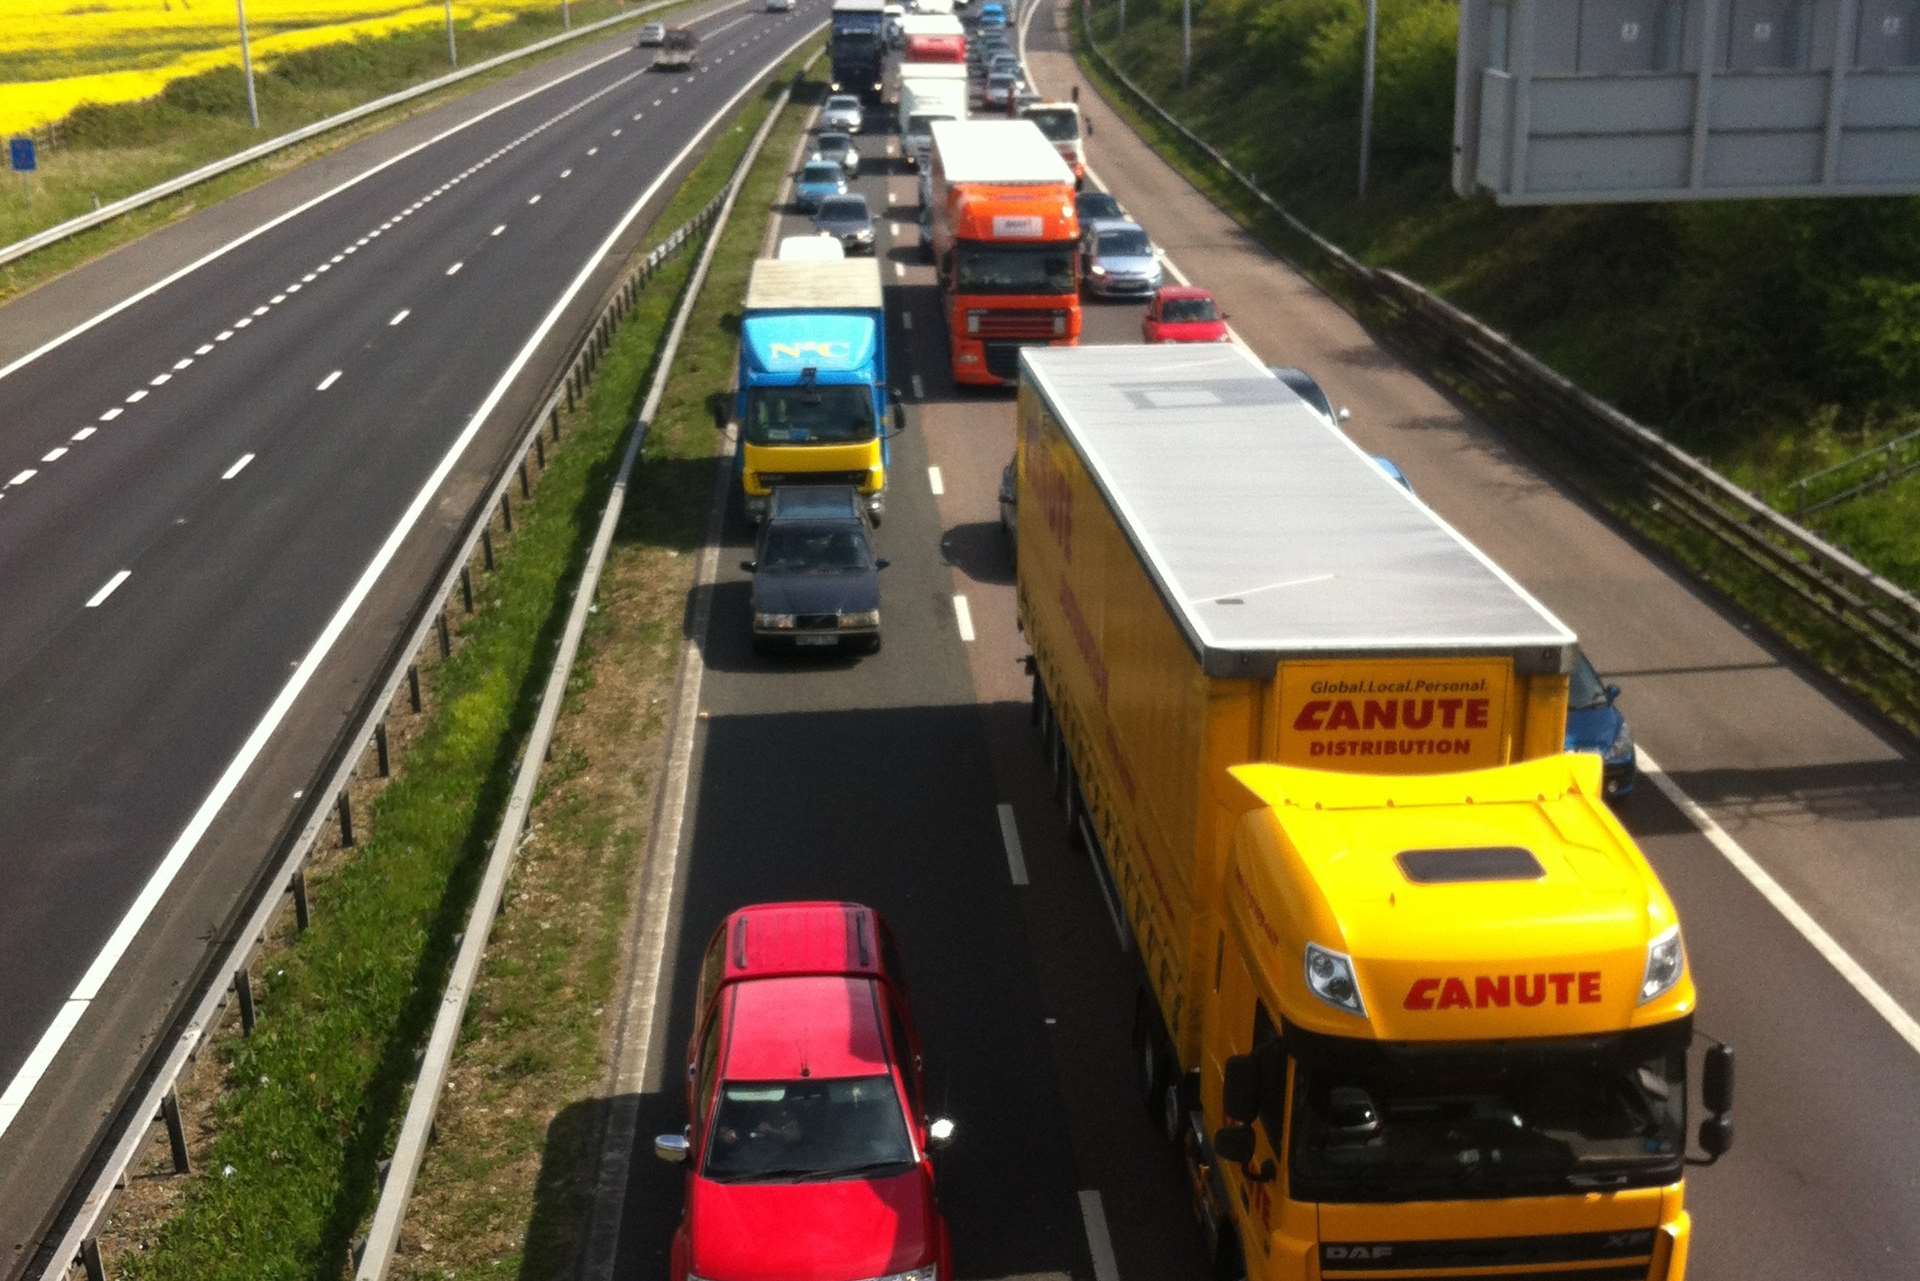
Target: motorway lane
{"points": [[1817, 1185], [116, 720]]}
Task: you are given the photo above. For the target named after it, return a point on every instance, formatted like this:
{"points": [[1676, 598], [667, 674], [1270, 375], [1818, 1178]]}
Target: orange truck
{"points": [[1410, 1003], [1004, 238]]}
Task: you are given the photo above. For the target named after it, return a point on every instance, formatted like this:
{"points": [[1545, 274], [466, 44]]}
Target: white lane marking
{"points": [[84, 432], [497, 230], [351, 249], [137, 396], [239, 466], [963, 616], [566, 173], [328, 381], [259, 311], [182, 363], [112, 414], [534, 199], [1099, 1240], [159, 380], [906, 320], [656, 102], [616, 133], [276, 300], [23, 477], [53, 455], [934, 482], [332, 262], [593, 151], [899, 270], [310, 277], [1903, 1023], [636, 115], [399, 316], [675, 89], [455, 269], [295, 287], [134, 920], [203, 349], [112, 585], [223, 335], [1010, 837], [243, 322], [919, 389]]}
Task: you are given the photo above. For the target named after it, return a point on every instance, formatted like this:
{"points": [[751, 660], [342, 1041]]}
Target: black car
{"points": [[1088, 205], [848, 220], [816, 582]]}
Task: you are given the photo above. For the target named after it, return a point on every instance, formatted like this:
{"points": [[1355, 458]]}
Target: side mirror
{"points": [[1613, 692], [1240, 1088], [1716, 1080], [672, 1148], [751, 566], [1344, 413], [1716, 1137], [1234, 1143], [939, 1134], [881, 562]]}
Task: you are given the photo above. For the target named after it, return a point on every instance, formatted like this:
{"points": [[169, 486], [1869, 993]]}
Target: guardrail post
{"points": [[466, 587], [413, 678], [506, 510], [486, 551], [176, 1131], [556, 426], [243, 988], [526, 490], [540, 451], [345, 806], [380, 749], [554, 422], [90, 1260], [446, 640], [302, 911]]}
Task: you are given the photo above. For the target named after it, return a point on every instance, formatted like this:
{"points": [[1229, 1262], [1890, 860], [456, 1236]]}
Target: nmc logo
{"points": [[801, 350]]}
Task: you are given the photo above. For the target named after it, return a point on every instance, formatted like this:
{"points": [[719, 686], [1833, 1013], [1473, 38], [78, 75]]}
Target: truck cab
{"points": [[1061, 123]]}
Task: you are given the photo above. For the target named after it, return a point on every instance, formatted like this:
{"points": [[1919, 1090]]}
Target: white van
{"points": [[817, 248]]}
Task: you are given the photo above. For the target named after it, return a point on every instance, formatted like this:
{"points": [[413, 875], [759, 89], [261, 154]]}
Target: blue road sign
{"points": [[20, 152]]}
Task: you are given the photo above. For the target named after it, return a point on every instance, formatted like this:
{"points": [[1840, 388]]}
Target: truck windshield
{"points": [[1059, 125], [1375, 1121], [1013, 269], [809, 415], [800, 1131]]}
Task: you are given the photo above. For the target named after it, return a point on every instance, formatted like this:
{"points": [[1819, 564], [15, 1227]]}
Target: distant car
{"points": [[1008, 62], [838, 147], [1183, 313], [1118, 260], [652, 35], [843, 112], [992, 14], [819, 180], [808, 1145], [779, 6], [1392, 469], [1091, 205], [678, 51], [1009, 505], [815, 248], [848, 220], [999, 90], [816, 582], [1303, 385], [1596, 724]]}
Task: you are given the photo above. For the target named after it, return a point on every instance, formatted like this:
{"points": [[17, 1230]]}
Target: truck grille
{"points": [[771, 479], [816, 622], [1630, 1252], [1018, 324]]}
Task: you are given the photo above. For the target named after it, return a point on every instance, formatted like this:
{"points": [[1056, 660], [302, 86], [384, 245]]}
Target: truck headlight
{"points": [[973, 322], [774, 622], [1059, 324], [1622, 745], [861, 618], [1666, 962], [866, 233], [1097, 269], [1330, 977]]}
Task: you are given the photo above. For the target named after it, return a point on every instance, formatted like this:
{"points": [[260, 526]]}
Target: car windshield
{"points": [[822, 172], [844, 209], [813, 549], [999, 80], [1375, 1121], [1187, 311], [832, 144], [1127, 242], [809, 415], [1009, 269], [1096, 204], [1585, 688], [1058, 125], [843, 102]]}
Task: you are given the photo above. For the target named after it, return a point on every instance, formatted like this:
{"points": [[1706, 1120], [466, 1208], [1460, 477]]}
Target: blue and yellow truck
{"points": [[811, 401]]}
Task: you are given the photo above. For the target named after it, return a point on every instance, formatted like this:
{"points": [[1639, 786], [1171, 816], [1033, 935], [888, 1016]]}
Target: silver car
{"points": [[843, 113], [652, 36], [839, 148], [999, 90], [1117, 259]]}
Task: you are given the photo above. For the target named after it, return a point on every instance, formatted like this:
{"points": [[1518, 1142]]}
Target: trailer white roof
{"points": [[788, 284], [1008, 151], [951, 74], [1268, 532], [932, 24], [858, 6]]}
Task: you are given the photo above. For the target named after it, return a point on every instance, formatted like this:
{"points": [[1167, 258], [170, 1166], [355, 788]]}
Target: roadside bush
{"points": [[219, 92]]}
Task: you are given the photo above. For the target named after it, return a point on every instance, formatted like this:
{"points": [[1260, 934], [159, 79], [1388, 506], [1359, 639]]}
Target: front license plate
{"points": [[816, 640]]}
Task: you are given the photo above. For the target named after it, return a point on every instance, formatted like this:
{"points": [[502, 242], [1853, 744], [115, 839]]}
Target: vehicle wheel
{"points": [[876, 517], [1173, 1109], [1149, 1065]]}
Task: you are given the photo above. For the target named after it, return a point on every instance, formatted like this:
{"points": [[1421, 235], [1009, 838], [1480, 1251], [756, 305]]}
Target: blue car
{"points": [[818, 181], [1595, 724], [992, 15]]}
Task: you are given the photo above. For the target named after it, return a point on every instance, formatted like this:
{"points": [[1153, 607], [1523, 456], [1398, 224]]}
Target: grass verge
{"points": [[1882, 530], [107, 153], [299, 1114]]}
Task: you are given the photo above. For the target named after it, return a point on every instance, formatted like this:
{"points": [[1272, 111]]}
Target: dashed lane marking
{"points": [[963, 616], [1099, 1240], [112, 414], [54, 455], [84, 432], [455, 269], [329, 380], [239, 466], [1010, 837], [934, 482], [112, 585], [919, 388], [22, 477], [399, 316], [534, 199]]}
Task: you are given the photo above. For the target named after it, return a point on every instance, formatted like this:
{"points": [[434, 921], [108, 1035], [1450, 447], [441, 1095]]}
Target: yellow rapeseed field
{"points": [[56, 54]]}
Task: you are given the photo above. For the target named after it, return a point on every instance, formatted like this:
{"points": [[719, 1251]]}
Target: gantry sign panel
{"points": [[1577, 101]]}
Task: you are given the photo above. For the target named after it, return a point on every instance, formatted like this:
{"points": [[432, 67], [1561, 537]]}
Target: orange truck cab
{"points": [[1004, 238]]}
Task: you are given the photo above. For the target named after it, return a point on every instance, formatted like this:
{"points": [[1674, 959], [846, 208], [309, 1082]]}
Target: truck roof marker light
{"points": [[1330, 977], [1666, 962]]}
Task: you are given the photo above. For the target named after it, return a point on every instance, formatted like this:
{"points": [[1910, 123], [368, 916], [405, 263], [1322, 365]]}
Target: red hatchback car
{"points": [[1183, 313], [808, 1145]]}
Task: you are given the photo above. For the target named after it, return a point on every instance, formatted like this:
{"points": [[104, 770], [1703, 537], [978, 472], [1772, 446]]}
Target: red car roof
{"points": [[1183, 291], [773, 939], [783, 1029]]}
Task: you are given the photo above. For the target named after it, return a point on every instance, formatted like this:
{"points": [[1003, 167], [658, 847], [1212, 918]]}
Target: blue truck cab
{"points": [[811, 401], [992, 15]]}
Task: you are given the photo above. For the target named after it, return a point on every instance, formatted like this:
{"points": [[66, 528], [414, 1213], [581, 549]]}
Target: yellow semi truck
{"points": [[1412, 1004]]}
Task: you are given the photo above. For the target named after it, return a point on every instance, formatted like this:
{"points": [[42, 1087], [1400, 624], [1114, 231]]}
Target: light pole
{"points": [[566, 16], [246, 60], [1186, 40], [453, 55], [1366, 91]]}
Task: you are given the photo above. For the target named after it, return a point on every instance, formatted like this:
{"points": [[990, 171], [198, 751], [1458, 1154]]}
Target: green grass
{"points": [[310, 1103], [107, 153]]}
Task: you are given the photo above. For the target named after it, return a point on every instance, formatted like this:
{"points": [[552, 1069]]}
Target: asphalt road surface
{"points": [[241, 481], [881, 779]]}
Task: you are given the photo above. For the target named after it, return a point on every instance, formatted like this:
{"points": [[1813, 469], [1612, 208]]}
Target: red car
{"points": [[1183, 313], [808, 1147]]}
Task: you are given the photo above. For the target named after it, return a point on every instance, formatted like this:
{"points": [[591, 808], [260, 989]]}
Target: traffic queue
{"points": [[1410, 1001]]}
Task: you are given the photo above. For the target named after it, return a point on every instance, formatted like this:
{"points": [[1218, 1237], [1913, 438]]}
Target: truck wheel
{"points": [[1150, 1070]]}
